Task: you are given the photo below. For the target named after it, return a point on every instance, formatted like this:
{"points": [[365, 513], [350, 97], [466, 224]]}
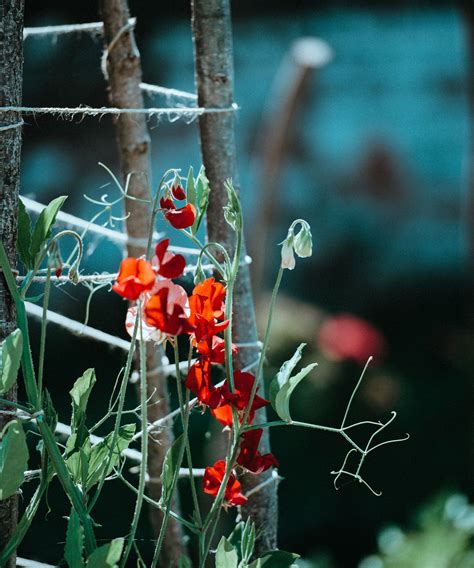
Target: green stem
{"points": [[44, 324], [266, 340], [183, 404], [192, 527], [144, 444], [68, 485]]}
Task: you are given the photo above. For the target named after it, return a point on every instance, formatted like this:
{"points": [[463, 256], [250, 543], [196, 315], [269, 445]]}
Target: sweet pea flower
{"points": [[167, 264], [166, 309], [250, 458], [199, 382], [213, 477], [180, 218], [239, 399], [300, 243], [136, 275]]}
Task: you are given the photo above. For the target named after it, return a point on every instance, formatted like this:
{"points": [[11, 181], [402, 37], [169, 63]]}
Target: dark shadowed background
{"points": [[376, 159]]}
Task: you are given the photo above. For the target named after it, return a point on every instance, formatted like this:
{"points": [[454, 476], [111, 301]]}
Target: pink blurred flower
{"points": [[347, 337]]}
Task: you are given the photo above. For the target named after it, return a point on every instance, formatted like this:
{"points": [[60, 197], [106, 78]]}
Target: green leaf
{"points": [[202, 198], [80, 393], [170, 464], [10, 358], [232, 211], [24, 235], [284, 384], [44, 225], [248, 540], [99, 454], [282, 401], [74, 542], [226, 555], [190, 187], [51, 416], [276, 559], [13, 458], [106, 556]]}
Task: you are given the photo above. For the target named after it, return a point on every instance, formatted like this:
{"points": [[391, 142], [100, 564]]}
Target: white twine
{"points": [[157, 90], [78, 328], [110, 234], [171, 113], [91, 27], [12, 126]]}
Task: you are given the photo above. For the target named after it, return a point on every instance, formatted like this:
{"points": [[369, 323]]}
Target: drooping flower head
{"points": [[199, 382], [300, 243], [182, 217], [213, 477], [167, 264], [239, 399], [136, 275], [250, 458]]}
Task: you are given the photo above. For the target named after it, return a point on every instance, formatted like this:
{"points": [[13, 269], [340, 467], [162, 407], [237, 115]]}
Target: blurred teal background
{"points": [[376, 161]]}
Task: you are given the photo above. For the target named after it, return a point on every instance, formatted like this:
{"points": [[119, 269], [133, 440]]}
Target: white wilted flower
{"points": [[287, 256], [300, 243], [303, 241]]}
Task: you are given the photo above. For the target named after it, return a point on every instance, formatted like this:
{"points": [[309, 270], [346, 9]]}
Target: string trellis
{"points": [[180, 105]]}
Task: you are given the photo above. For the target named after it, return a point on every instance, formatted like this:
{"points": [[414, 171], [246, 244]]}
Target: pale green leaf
{"points": [[13, 458], [10, 358], [99, 454], [282, 400], [276, 559], [226, 555], [74, 542], [106, 556], [44, 226], [170, 464], [190, 187]]}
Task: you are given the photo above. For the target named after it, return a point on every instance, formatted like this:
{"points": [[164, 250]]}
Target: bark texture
{"points": [[133, 142], [11, 78], [212, 33]]}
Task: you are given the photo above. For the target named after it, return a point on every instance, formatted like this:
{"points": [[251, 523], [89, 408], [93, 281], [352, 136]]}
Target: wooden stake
{"points": [[122, 64], [11, 77], [213, 52]]}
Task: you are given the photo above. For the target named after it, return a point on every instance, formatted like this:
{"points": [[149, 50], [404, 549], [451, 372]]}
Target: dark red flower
{"points": [[167, 316], [199, 382], [169, 265], [178, 191], [136, 276], [346, 337], [239, 399], [213, 348], [250, 458], [213, 477], [181, 218]]}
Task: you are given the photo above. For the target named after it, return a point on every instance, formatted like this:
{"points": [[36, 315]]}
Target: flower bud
{"points": [[199, 275], [287, 256], [303, 242]]}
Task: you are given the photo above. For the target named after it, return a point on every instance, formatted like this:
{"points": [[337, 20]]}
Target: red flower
{"points": [[165, 314], [214, 349], [240, 398], [207, 300], [213, 477], [199, 382], [179, 218], [169, 265], [178, 191], [346, 337], [136, 276], [250, 458]]}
